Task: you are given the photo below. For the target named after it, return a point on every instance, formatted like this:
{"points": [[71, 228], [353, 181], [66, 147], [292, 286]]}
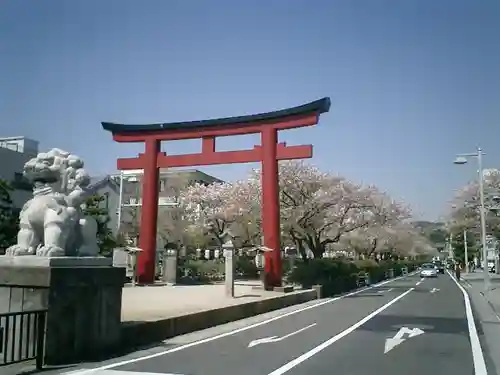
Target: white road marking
{"points": [[266, 340], [114, 372], [477, 351], [290, 365], [434, 290], [392, 342], [238, 330], [420, 282], [384, 290]]}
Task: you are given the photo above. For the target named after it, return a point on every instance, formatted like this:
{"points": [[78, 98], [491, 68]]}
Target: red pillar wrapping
{"points": [[149, 213], [271, 208]]}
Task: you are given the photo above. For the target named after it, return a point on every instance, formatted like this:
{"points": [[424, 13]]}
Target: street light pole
{"points": [[466, 254], [462, 159], [483, 220]]}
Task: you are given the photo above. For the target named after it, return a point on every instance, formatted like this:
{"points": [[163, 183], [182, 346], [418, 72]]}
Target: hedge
{"points": [[340, 276]]}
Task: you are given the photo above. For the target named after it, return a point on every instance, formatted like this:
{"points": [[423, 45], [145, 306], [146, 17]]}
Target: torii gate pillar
{"points": [[270, 207]]}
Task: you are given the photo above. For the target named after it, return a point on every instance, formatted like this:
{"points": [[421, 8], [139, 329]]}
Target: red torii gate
{"points": [[269, 153]]}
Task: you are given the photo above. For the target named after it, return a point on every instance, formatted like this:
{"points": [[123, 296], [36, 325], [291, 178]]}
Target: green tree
{"points": [[9, 217], [105, 238], [459, 247]]}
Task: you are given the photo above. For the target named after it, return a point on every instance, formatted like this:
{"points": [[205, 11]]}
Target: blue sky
{"points": [[412, 82]]}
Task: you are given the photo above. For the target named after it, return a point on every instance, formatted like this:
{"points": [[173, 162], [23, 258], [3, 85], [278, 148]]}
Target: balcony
{"points": [[162, 201]]}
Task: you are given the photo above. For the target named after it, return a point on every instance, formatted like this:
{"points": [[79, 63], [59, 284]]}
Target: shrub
{"points": [[374, 269], [340, 276], [203, 271], [246, 268], [335, 276]]}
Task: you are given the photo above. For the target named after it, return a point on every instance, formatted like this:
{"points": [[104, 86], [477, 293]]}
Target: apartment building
{"points": [[14, 153], [122, 195]]}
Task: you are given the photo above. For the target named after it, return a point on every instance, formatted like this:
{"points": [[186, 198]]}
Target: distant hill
{"points": [[428, 225], [434, 231]]}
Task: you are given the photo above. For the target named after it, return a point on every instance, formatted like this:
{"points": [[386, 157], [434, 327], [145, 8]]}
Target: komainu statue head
{"points": [[58, 169]]}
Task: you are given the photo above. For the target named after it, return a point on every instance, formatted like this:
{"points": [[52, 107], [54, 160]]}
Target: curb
{"points": [[136, 334], [139, 334], [470, 289]]}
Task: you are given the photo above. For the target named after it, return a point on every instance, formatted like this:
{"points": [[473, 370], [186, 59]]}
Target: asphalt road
{"points": [[406, 326]]}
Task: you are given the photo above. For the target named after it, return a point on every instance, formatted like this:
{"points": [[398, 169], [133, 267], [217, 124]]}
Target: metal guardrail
{"points": [[22, 337]]}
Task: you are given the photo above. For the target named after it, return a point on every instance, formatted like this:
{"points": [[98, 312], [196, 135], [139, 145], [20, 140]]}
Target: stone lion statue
{"points": [[52, 223]]}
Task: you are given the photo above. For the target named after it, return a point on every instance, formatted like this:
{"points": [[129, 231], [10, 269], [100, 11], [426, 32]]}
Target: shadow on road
{"points": [[381, 291], [93, 362]]}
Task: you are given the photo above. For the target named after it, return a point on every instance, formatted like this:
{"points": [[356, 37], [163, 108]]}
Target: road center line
{"points": [[233, 332], [290, 365], [477, 351]]}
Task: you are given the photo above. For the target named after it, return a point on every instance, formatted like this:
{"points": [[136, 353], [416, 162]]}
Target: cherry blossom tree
{"points": [[405, 240], [387, 217], [465, 205], [219, 208], [317, 208]]}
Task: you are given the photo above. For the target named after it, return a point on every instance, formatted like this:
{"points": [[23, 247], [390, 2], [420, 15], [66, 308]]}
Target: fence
{"points": [[22, 337]]}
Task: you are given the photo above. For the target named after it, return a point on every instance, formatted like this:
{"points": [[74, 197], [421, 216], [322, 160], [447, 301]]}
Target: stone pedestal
{"points": [[170, 259], [82, 296]]}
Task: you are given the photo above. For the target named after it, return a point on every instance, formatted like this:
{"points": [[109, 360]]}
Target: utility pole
{"points": [[466, 254], [450, 247]]}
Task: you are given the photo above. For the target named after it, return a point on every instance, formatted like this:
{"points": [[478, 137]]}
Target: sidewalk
{"points": [[150, 303], [474, 282], [486, 308]]}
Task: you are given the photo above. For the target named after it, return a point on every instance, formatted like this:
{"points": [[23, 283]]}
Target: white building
{"points": [[490, 172], [492, 246], [123, 197]]}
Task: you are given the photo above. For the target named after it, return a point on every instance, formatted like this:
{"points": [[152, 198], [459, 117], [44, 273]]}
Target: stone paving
{"points": [[146, 303]]}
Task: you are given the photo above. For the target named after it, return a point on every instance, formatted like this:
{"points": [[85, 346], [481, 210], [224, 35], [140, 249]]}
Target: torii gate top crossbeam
{"points": [[304, 115]]}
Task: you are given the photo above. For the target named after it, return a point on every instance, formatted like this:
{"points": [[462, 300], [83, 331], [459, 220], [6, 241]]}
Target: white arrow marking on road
{"points": [[383, 291], [392, 342], [266, 340], [434, 290]]}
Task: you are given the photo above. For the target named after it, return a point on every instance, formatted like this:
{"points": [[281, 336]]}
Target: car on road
{"points": [[428, 270], [439, 266]]}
